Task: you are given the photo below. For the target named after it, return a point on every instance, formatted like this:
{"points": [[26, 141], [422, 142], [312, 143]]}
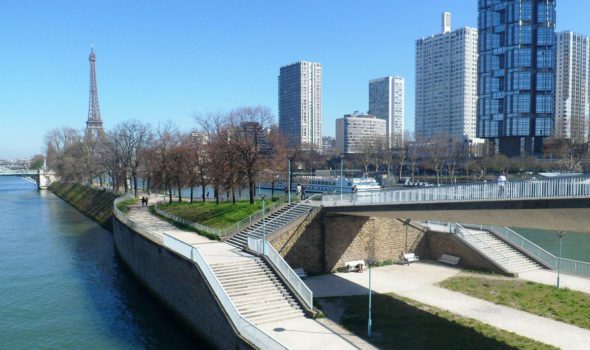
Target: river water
{"points": [[63, 287]]}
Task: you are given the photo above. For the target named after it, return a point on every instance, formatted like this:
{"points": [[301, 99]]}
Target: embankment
{"points": [[94, 203]]}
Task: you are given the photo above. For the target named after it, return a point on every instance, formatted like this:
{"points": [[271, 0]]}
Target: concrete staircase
{"points": [[256, 291], [500, 252], [275, 221]]}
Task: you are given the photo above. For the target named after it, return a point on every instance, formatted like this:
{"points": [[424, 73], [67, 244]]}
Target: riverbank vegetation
{"points": [[94, 203], [401, 323], [562, 304], [210, 214]]}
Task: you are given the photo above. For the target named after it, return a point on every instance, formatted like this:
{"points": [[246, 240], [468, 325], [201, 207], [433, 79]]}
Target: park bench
{"points": [[449, 259], [300, 272], [355, 265], [410, 258]]}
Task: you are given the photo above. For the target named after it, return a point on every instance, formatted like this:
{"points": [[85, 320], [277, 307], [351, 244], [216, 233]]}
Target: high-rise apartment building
{"points": [[516, 74], [300, 104], [386, 101], [446, 83], [572, 107], [356, 133]]}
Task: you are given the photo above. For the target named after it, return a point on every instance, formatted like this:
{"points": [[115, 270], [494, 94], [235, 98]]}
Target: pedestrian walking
{"points": [[146, 201], [303, 188], [207, 195], [298, 190], [142, 201], [502, 183]]}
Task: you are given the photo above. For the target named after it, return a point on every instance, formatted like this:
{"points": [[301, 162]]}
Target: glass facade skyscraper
{"points": [[516, 74]]}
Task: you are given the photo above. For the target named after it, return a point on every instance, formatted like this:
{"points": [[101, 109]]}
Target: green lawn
{"points": [[220, 215], [559, 304], [124, 205], [401, 323]]}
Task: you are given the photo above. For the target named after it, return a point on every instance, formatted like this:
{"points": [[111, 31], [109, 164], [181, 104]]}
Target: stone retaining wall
{"points": [[179, 284], [324, 243]]}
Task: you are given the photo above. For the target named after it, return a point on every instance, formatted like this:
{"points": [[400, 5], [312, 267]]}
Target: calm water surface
{"points": [[62, 286]]}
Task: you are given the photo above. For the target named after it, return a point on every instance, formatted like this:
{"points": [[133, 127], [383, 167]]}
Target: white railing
{"points": [[575, 187], [568, 266], [481, 245], [262, 247], [221, 233], [245, 328], [258, 231]]}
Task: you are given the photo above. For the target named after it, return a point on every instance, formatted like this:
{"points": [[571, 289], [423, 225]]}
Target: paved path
{"points": [[418, 282], [298, 333], [565, 281]]}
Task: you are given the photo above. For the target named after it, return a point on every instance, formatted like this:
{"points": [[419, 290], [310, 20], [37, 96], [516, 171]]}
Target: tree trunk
{"points": [[251, 186], [216, 193], [179, 190], [203, 192], [233, 195], [134, 174], [170, 193]]}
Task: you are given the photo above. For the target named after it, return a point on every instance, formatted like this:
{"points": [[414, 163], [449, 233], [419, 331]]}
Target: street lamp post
{"points": [[289, 180], [370, 321], [341, 174], [560, 234], [263, 225]]}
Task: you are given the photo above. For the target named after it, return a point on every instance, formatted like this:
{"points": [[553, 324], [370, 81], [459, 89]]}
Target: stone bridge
{"points": [[42, 177]]}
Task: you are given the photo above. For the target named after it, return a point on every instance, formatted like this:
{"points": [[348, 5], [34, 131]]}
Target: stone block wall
{"points": [[323, 243], [444, 243], [178, 283]]}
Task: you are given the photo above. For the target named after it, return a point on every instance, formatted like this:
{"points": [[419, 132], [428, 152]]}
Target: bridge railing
{"points": [[568, 266], [552, 188]]}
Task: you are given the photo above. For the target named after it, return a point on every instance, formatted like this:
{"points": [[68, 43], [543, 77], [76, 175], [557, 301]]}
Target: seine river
{"points": [[63, 287]]}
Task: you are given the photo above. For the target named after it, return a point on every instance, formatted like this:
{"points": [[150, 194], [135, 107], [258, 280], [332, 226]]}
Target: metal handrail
{"points": [[304, 202], [576, 267], [551, 188], [221, 233], [262, 247], [244, 327], [460, 229]]}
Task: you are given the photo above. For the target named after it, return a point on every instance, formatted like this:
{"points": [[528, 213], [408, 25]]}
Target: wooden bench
{"points": [[356, 265], [410, 258], [449, 259], [300, 272]]}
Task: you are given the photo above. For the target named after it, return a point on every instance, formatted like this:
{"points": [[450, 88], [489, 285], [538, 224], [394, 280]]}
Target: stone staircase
{"points": [[256, 291], [500, 252], [275, 221]]}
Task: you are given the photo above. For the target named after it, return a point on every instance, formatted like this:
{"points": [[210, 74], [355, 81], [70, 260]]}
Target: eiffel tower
{"points": [[94, 127]]}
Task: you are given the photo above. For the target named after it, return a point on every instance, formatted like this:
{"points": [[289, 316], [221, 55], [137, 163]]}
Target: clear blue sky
{"points": [[160, 60]]}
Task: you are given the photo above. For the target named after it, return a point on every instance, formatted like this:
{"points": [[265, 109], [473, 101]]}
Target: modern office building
{"points": [[572, 107], [516, 83], [446, 83], [300, 104], [356, 133], [386, 101], [328, 144]]}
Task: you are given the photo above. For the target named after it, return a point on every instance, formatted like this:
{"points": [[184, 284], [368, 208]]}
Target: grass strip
{"points": [[183, 226], [402, 323], [222, 215], [562, 304]]}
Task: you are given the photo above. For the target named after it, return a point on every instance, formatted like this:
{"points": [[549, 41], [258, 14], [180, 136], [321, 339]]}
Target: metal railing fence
{"points": [[568, 266], [221, 233], [249, 331], [260, 246], [258, 230], [551, 188], [481, 245]]}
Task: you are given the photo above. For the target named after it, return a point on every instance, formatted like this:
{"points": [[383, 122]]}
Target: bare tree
{"points": [[572, 154]]}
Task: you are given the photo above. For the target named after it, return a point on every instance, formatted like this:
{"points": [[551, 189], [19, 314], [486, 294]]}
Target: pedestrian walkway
{"points": [[419, 282], [294, 333], [549, 277]]}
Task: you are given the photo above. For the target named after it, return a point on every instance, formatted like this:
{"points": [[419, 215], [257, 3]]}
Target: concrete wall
{"points": [[179, 284], [324, 242]]}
